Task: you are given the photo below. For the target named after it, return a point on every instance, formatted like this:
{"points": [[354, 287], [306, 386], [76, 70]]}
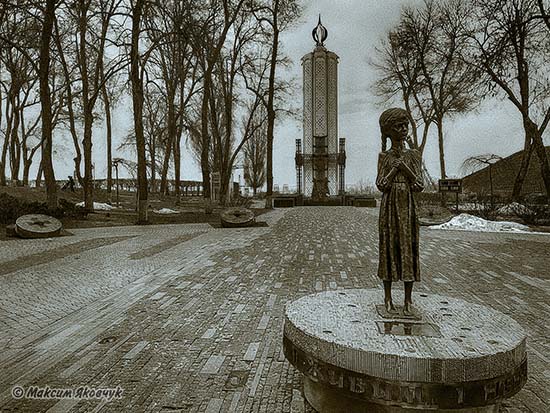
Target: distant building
{"points": [[504, 175]]}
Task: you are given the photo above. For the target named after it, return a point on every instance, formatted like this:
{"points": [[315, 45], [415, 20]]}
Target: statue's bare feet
{"points": [[408, 309], [390, 308]]}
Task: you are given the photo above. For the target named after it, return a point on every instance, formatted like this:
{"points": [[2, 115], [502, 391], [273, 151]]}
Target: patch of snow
{"points": [[98, 206], [165, 211], [467, 222], [512, 209]]}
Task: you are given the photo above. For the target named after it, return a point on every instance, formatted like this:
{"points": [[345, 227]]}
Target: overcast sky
{"points": [[355, 27]]}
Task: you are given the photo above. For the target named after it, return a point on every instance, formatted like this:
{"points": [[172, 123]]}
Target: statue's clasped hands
{"points": [[397, 163]]}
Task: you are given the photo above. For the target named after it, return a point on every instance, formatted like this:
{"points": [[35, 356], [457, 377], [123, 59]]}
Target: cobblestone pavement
{"points": [[188, 318]]}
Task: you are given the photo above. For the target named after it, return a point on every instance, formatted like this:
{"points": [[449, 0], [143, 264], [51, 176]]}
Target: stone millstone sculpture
{"points": [[37, 226], [399, 176], [237, 217]]}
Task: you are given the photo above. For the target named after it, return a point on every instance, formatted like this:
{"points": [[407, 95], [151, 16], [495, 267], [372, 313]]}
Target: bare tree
{"points": [[230, 96], [111, 91], [173, 70], [510, 46], [276, 16], [435, 33], [62, 38], [91, 20], [400, 78], [136, 81], [255, 151], [17, 57], [48, 19], [30, 139], [155, 129], [211, 28]]}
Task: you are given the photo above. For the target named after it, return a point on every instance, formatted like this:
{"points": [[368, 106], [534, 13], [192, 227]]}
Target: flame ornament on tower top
{"points": [[320, 33]]}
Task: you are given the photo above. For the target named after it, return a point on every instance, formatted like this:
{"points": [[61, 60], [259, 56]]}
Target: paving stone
{"points": [[251, 351], [157, 296], [209, 333], [135, 350], [264, 321], [214, 406], [213, 364]]}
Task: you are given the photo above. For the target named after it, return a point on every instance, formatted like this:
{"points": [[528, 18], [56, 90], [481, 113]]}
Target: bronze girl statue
{"points": [[399, 175]]}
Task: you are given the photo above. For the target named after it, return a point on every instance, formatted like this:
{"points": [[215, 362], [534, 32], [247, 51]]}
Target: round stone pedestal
{"points": [[237, 217], [454, 357], [37, 226]]}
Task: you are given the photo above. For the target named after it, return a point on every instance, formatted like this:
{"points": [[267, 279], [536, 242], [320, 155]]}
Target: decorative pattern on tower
{"points": [[320, 165]]}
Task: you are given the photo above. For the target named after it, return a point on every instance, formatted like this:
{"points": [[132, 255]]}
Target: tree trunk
{"points": [[441, 149], [153, 157], [137, 101], [15, 153], [3, 165], [171, 129], [523, 167], [270, 107], [543, 159], [26, 170], [88, 178], [414, 126], [491, 185], [2, 159], [441, 158], [177, 166], [164, 170], [44, 70], [205, 140], [70, 111], [7, 134], [422, 145], [108, 126], [38, 181], [225, 178], [87, 108]]}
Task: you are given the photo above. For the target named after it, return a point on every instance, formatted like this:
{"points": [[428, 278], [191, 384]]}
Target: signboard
{"points": [[450, 185]]}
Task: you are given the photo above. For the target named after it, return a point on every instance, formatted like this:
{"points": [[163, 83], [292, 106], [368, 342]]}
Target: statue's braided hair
{"points": [[388, 118]]}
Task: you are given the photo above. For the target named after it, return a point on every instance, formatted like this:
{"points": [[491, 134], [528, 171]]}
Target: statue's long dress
{"points": [[398, 224]]}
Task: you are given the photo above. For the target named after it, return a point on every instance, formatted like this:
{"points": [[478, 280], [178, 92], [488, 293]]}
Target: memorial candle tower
{"points": [[320, 161]]}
